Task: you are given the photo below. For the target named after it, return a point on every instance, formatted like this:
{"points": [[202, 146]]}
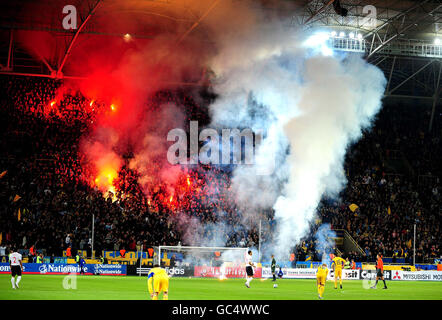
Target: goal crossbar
{"points": [[160, 248]]}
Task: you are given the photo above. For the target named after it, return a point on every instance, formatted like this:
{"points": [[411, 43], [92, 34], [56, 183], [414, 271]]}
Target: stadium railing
{"points": [[350, 244]]}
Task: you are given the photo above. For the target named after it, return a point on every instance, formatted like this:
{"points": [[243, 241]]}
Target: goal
{"points": [[204, 256]]}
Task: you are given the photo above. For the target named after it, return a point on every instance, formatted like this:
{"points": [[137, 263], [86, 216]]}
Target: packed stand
{"points": [[42, 123]]}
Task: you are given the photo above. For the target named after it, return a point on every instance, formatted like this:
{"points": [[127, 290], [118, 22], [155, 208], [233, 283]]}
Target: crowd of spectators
{"points": [[393, 177], [41, 123], [43, 166]]}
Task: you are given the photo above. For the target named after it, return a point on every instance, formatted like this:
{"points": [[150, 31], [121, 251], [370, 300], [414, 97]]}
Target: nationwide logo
{"points": [[50, 268], [397, 276], [43, 268], [5, 269], [109, 266]]}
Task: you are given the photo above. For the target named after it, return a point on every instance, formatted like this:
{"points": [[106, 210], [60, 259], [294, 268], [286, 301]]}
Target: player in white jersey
{"points": [[249, 268], [16, 265]]}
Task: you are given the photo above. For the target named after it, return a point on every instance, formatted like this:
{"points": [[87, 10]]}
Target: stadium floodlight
{"points": [[437, 41], [333, 33], [351, 35], [319, 41], [342, 34], [359, 36]]}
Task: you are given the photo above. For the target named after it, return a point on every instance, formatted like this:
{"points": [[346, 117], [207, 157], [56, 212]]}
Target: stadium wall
{"points": [[217, 272], [227, 272], [417, 275], [51, 268], [309, 273], [173, 272]]}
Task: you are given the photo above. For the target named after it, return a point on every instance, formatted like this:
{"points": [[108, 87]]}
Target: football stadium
{"points": [[220, 150]]}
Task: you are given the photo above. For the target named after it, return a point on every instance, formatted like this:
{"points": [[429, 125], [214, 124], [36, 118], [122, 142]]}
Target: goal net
{"points": [[174, 256]]}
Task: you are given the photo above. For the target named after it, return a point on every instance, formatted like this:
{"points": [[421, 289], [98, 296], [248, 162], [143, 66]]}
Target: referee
{"points": [[379, 272]]}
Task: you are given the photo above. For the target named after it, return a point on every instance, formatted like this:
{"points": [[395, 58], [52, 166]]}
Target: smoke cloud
{"points": [[313, 106], [325, 242], [310, 104]]}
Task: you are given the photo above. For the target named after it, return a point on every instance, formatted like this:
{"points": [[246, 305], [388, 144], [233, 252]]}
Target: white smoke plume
{"points": [[207, 236], [311, 104], [338, 99], [324, 237]]}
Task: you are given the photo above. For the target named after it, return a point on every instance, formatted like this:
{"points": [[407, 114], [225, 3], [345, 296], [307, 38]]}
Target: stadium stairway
{"points": [[345, 242]]}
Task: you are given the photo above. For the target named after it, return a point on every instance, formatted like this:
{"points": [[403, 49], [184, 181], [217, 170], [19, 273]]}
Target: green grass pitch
{"points": [[50, 287]]}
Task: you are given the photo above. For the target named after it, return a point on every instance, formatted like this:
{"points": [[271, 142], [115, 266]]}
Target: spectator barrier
{"points": [[218, 272], [310, 273], [50, 268], [417, 275], [228, 272], [173, 272]]}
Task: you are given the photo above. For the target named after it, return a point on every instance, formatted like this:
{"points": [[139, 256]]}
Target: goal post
{"points": [[211, 256]]}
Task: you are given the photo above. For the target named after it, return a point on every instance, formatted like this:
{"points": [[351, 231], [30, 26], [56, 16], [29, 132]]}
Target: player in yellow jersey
{"points": [[157, 281], [337, 265], [321, 277]]}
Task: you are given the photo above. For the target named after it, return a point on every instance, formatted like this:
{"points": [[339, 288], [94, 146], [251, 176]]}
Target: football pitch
{"points": [[50, 287]]}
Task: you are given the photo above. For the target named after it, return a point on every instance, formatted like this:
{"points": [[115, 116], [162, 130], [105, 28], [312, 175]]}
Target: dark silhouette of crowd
{"points": [[40, 155], [393, 177]]}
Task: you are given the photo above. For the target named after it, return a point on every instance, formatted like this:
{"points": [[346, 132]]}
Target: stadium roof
{"points": [[424, 15]]}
